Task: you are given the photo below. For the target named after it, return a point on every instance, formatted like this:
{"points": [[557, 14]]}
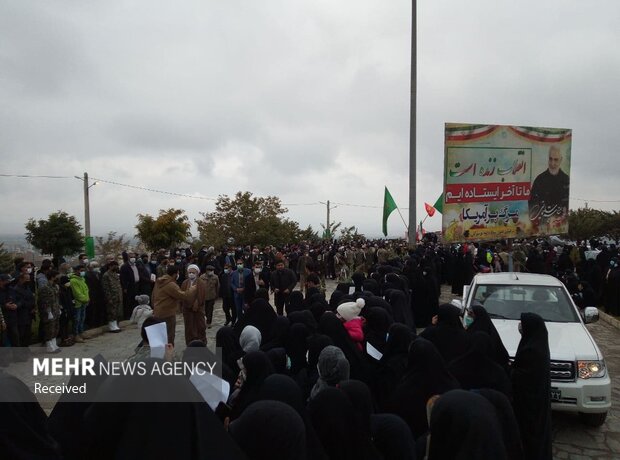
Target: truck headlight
{"points": [[591, 369]]}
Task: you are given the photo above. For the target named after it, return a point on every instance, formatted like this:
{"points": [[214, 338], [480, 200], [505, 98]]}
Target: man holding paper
{"points": [[166, 298]]}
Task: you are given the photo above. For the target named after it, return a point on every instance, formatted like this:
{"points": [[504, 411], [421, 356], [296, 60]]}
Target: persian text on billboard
{"points": [[505, 182]]}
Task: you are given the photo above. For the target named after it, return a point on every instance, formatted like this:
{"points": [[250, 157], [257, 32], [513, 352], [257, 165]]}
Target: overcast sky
{"points": [[306, 100]]}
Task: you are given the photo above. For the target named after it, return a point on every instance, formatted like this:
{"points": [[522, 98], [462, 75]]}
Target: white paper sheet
{"points": [[153, 277], [373, 352], [158, 338], [212, 388], [351, 290]]}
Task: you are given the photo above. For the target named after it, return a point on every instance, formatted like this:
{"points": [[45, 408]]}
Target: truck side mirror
{"points": [[590, 315]]}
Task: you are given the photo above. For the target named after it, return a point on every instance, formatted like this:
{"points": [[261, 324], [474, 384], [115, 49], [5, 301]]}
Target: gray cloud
{"points": [[304, 100]]}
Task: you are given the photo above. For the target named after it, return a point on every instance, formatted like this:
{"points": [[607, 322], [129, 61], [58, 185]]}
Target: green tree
{"points": [[6, 261], [612, 226], [350, 234], [328, 233], [308, 235], [59, 235], [247, 219], [585, 223], [170, 228], [111, 244]]}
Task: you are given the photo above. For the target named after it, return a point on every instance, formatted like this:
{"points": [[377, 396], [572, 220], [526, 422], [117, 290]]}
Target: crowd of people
{"points": [[311, 377]]}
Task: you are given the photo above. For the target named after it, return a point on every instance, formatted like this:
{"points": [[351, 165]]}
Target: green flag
{"points": [[388, 206], [439, 204]]}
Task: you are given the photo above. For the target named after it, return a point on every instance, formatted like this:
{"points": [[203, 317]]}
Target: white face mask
{"points": [[192, 276], [29, 270], [84, 261], [132, 260], [258, 270], [227, 270]]}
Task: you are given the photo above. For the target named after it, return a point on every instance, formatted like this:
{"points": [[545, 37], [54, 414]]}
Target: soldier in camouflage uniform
{"points": [[49, 310], [113, 293]]}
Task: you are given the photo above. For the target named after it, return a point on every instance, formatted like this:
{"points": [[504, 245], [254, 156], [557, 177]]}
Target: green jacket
{"points": [[79, 289]]}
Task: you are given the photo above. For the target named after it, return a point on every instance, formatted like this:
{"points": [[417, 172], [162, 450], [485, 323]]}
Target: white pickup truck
{"points": [[579, 378]]}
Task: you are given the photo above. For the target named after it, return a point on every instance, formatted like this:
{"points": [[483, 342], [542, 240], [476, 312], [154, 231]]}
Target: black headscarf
{"points": [[378, 322], [372, 286], [307, 377], [476, 369], [398, 281], [482, 322], [363, 408], [333, 327], [297, 346], [401, 310], [426, 376], [131, 430], [23, 430], [270, 429], [333, 419], [258, 367], [314, 295], [295, 302], [278, 334], [316, 343], [282, 388], [228, 341], [392, 437], [317, 309], [334, 300], [361, 399], [358, 280], [464, 425], [393, 363], [448, 334], [65, 423], [508, 422], [376, 301], [261, 315], [532, 387], [305, 317]]}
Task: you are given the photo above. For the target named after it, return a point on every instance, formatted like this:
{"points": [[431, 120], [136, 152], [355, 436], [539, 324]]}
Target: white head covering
{"points": [[193, 266], [250, 339]]}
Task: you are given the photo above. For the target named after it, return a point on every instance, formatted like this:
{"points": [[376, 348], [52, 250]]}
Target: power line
{"points": [[184, 195], [154, 190], [300, 204], [34, 176]]}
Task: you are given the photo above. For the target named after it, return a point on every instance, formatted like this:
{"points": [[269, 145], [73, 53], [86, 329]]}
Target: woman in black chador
{"points": [[531, 383]]}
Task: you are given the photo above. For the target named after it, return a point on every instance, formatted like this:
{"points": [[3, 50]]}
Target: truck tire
{"points": [[593, 420]]}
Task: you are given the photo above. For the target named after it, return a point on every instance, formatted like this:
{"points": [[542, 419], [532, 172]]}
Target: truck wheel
{"points": [[593, 420]]}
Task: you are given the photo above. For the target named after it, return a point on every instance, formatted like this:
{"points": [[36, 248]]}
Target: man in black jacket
{"points": [[283, 281]]}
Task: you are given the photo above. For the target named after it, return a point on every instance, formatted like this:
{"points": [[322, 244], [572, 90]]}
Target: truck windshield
{"points": [[509, 301]]}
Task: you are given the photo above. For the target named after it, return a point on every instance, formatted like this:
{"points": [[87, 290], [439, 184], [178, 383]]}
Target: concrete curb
{"points": [[91, 333], [609, 319]]}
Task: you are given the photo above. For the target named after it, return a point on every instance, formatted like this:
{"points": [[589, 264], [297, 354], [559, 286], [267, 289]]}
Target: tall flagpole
{"points": [[412, 128]]}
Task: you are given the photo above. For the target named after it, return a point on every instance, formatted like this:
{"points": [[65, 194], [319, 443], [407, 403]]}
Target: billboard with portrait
{"points": [[505, 182]]}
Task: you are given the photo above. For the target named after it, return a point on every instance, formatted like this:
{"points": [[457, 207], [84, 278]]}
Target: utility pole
{"points": [[328, 230], [327, 225], [86, 207], [412, 127], [86, 203]]}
